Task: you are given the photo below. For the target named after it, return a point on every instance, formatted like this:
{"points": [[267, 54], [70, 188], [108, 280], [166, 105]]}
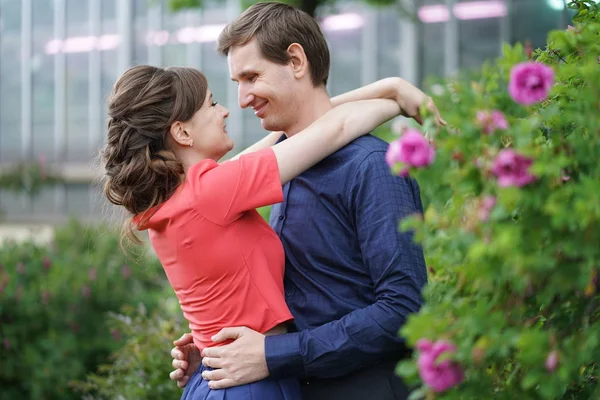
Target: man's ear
{"points": [[298, 60], [179, 134]]}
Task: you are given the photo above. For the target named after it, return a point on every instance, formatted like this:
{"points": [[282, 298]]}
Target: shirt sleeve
{"points": [[377, 201], [222, 193]]}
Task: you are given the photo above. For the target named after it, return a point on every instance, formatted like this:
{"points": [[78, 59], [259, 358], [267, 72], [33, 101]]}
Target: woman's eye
{"points": [[214, 103]]}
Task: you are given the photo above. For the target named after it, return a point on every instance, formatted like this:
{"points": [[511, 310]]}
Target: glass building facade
{"points": [[59, 59]]}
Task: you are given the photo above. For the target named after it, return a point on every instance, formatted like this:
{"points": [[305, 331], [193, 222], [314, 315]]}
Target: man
{"points": [[351, 278]]}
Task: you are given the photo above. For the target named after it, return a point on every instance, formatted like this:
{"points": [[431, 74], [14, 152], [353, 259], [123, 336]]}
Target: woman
{"points": [[165, 136]]}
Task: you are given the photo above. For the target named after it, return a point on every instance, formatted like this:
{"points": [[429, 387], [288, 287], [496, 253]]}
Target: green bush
{"points": [[514, 268], [141, 370], [54, 302]]}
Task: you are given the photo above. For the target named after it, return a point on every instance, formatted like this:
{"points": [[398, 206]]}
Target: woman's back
{"points": [[222, 259]]}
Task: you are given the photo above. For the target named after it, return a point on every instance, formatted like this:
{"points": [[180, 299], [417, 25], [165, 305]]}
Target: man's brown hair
{"points": [[276, 26]]}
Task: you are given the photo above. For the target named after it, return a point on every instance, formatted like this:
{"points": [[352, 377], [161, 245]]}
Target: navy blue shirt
{"points": [[351, 278]]}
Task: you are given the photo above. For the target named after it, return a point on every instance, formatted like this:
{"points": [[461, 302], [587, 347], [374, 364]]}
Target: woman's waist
{"points": [[203, 333]]}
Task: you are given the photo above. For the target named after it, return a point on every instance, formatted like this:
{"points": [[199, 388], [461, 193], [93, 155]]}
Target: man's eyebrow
{"points": [[244, 74]]}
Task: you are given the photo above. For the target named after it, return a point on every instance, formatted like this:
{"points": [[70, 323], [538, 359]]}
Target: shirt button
{"points": [[281, 217], [288, 294]]}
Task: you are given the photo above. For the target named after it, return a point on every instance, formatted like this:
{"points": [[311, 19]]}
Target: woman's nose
{"points": [[225, 112]]}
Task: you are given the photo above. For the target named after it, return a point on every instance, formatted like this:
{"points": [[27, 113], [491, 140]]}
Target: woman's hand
{"points": [[412, 101], [410, 98], [186, 359]]}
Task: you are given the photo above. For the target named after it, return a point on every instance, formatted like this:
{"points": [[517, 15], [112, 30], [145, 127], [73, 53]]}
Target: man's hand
{"points": [[186, 359], [237, 363]]}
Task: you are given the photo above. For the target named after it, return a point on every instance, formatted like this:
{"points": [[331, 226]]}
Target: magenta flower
{"points": [[116, 335], [86, 291], [6, 343], [47, 263], [485, 208], [412, 150], [20, 268], [92, 274], [552, 361], [125, 272], [530, 82], [491, 121], [438, 375], [511, 169], [45, 297]]}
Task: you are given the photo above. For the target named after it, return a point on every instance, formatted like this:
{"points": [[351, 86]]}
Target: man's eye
{"points": [[253, 78]]}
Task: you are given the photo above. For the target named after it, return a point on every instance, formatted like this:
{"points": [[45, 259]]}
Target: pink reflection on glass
{"points": [[108, 42], [343, 22], [186, 35], [463, 11], [207, 33], [433, 14], [80, 44], [53, 47], [480, 10], [157, 38]]}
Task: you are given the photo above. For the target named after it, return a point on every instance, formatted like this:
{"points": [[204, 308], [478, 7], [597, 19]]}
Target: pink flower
{"points": [[125, 272], [530, 82], [438, 375], [511, 169], [491, 121], [20, 268], [47, 263], [43, 162], [92, 274], [412, 150], [552, 361], [86, 292], [6, 343], [45, 297], [19, 293], [485, 208], [116, 335]]}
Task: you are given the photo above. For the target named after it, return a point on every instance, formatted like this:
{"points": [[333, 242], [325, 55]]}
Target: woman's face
{"points": [[207, 129]]}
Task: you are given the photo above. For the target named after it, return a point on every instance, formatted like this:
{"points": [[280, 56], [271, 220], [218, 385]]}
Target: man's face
{"points": [[268, 88]]}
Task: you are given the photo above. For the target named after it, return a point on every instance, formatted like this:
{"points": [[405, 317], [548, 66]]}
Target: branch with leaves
{"points": [[27, 177]]}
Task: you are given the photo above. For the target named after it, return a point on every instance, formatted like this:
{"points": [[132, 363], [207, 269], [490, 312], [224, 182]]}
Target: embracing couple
{"points": [[310, 306]]}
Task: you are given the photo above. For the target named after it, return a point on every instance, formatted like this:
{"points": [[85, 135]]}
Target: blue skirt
{"points": [[267, 389]]}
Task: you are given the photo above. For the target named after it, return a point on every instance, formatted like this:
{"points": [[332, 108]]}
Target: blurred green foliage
{"points": [[140, 370], [54, 305], [513, 289]]}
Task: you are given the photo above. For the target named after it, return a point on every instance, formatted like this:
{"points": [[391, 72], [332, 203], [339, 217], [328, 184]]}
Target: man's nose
{"points": [[245, 98]]}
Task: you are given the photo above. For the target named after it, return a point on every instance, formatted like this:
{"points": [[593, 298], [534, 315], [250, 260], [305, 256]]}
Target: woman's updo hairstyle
{"points": [[140, 172]]}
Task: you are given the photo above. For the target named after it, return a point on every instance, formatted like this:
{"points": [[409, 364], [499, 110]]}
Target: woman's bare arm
{"points": [[329, 133]]}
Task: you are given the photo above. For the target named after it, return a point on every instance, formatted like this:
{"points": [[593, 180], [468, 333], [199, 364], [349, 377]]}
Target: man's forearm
{"points": [[351, 343]]}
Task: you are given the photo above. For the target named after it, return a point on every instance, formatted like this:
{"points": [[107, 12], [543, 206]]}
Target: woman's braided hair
{"points": [[140, 171]]}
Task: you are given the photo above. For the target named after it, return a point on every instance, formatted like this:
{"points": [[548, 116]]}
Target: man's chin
{"points": [[271, 126]]}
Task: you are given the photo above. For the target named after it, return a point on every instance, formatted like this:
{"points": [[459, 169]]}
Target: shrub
{"points": [[54, 302], [511, 229], [141, 369]]}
